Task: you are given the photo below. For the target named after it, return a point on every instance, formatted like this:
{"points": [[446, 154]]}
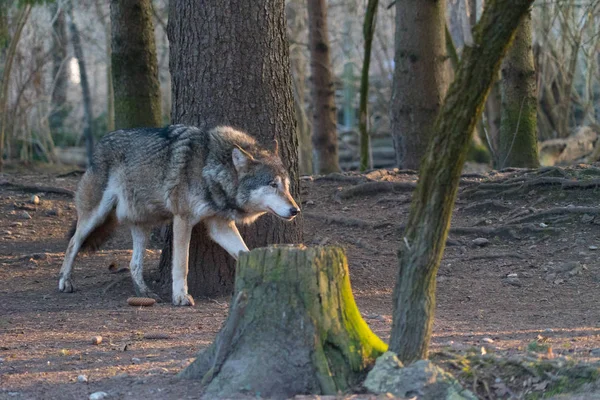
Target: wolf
{"points": [[181, 174]]}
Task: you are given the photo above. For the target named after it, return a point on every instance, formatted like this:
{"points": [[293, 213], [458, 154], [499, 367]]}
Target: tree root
{"points": [[38, 189], [487, 205], [495, 256], [225, 339], [511, 231], [556, 211], [505, 188]]}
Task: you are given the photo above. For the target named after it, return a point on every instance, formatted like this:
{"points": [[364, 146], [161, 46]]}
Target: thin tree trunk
{"points": [[110, 92], [293, 328], [110, 103], [420, 76], [518, 128], [366, 159], [85, 87], [324, 135], [423, 243], [134, 65], [10, 56], [60, 42], [230, 65]]}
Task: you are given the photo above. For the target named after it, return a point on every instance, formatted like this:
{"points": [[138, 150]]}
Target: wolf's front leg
{"points": [[182, 231], [226, 235]]}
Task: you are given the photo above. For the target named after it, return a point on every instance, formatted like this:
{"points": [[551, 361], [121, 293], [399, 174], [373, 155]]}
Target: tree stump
{"points": [[293, 328]]}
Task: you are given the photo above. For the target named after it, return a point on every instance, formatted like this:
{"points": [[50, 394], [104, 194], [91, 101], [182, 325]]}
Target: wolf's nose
{"points": [[294, 211]]}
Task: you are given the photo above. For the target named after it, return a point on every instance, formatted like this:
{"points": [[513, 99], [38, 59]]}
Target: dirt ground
{"points": [[521, 265]]}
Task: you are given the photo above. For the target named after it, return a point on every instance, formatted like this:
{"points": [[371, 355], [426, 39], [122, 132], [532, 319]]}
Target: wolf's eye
{"points": [[273, 184]]}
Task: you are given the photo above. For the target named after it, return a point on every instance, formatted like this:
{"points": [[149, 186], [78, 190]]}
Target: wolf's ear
{"points": [[275, 147], [241, 158]]}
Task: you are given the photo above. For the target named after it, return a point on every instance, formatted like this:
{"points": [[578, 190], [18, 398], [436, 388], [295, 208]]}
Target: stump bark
{"points": [[293, 328]]}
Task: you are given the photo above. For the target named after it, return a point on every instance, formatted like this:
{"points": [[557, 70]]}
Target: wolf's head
{"points": [[263, 184]]}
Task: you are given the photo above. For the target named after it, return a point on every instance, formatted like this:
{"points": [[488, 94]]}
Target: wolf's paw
{"points": [[66, 285], [183, 299]]}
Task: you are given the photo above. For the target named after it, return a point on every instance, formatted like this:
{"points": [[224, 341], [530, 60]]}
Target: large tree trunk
{"points": [[85, 86], [134, 65], [420, 76], [324, 135], [423, 242], [60, 43], [293, 328], [230, 64], [518, 127]]}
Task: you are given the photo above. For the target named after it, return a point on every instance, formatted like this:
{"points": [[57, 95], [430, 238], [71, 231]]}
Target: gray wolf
{"points": [[188, 175]]}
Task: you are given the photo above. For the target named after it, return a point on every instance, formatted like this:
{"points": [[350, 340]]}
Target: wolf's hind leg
{"points": [[85, 225], [140, 241], [182, 231]]}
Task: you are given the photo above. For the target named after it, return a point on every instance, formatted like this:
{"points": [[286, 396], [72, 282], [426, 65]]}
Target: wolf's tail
{"points": [[98, 236]]}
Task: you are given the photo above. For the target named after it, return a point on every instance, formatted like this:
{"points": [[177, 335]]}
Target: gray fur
{"points": [[146, 176]]}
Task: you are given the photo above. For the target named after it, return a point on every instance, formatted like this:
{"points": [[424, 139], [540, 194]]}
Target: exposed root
{"points": [[224, 341], [495, 256], [38, 189], [556, 211], [511, 231], [487, 205]]}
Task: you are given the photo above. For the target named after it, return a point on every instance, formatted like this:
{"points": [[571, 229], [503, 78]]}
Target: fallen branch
{"points": [[337, 177], [38, 189], [373, 188], [344, 221]]}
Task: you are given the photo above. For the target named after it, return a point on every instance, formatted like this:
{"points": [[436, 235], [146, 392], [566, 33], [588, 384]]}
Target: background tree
{"points": [[518, 127], [88, 116], [324, 136], [8, 56], [134, 65], [429, 220], [251, 89], [420, 76], [60, 42], [366, 160]]}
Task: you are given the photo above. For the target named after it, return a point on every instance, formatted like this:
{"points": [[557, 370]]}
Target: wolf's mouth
{"points": [[279, 216]]}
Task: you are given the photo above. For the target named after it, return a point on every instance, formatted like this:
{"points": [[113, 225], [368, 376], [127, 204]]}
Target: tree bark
{"points": [[324, 135], [518, 128], [423, 243], [366, 159], [230, 64], [134, 65], [60, 43], [293, 328], [85, 86], [420, 76]]}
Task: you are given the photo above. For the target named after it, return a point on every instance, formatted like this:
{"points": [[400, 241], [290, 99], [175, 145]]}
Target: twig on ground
{"points": [[38, 189]]}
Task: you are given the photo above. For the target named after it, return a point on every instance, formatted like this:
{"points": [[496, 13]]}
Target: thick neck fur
{"points": [[220, 176]]}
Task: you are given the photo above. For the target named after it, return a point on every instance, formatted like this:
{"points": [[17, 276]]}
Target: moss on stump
{"points": [[293, 328]]}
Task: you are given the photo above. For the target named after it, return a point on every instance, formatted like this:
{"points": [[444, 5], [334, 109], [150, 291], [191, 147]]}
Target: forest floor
{"points": [[520, 273]]}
